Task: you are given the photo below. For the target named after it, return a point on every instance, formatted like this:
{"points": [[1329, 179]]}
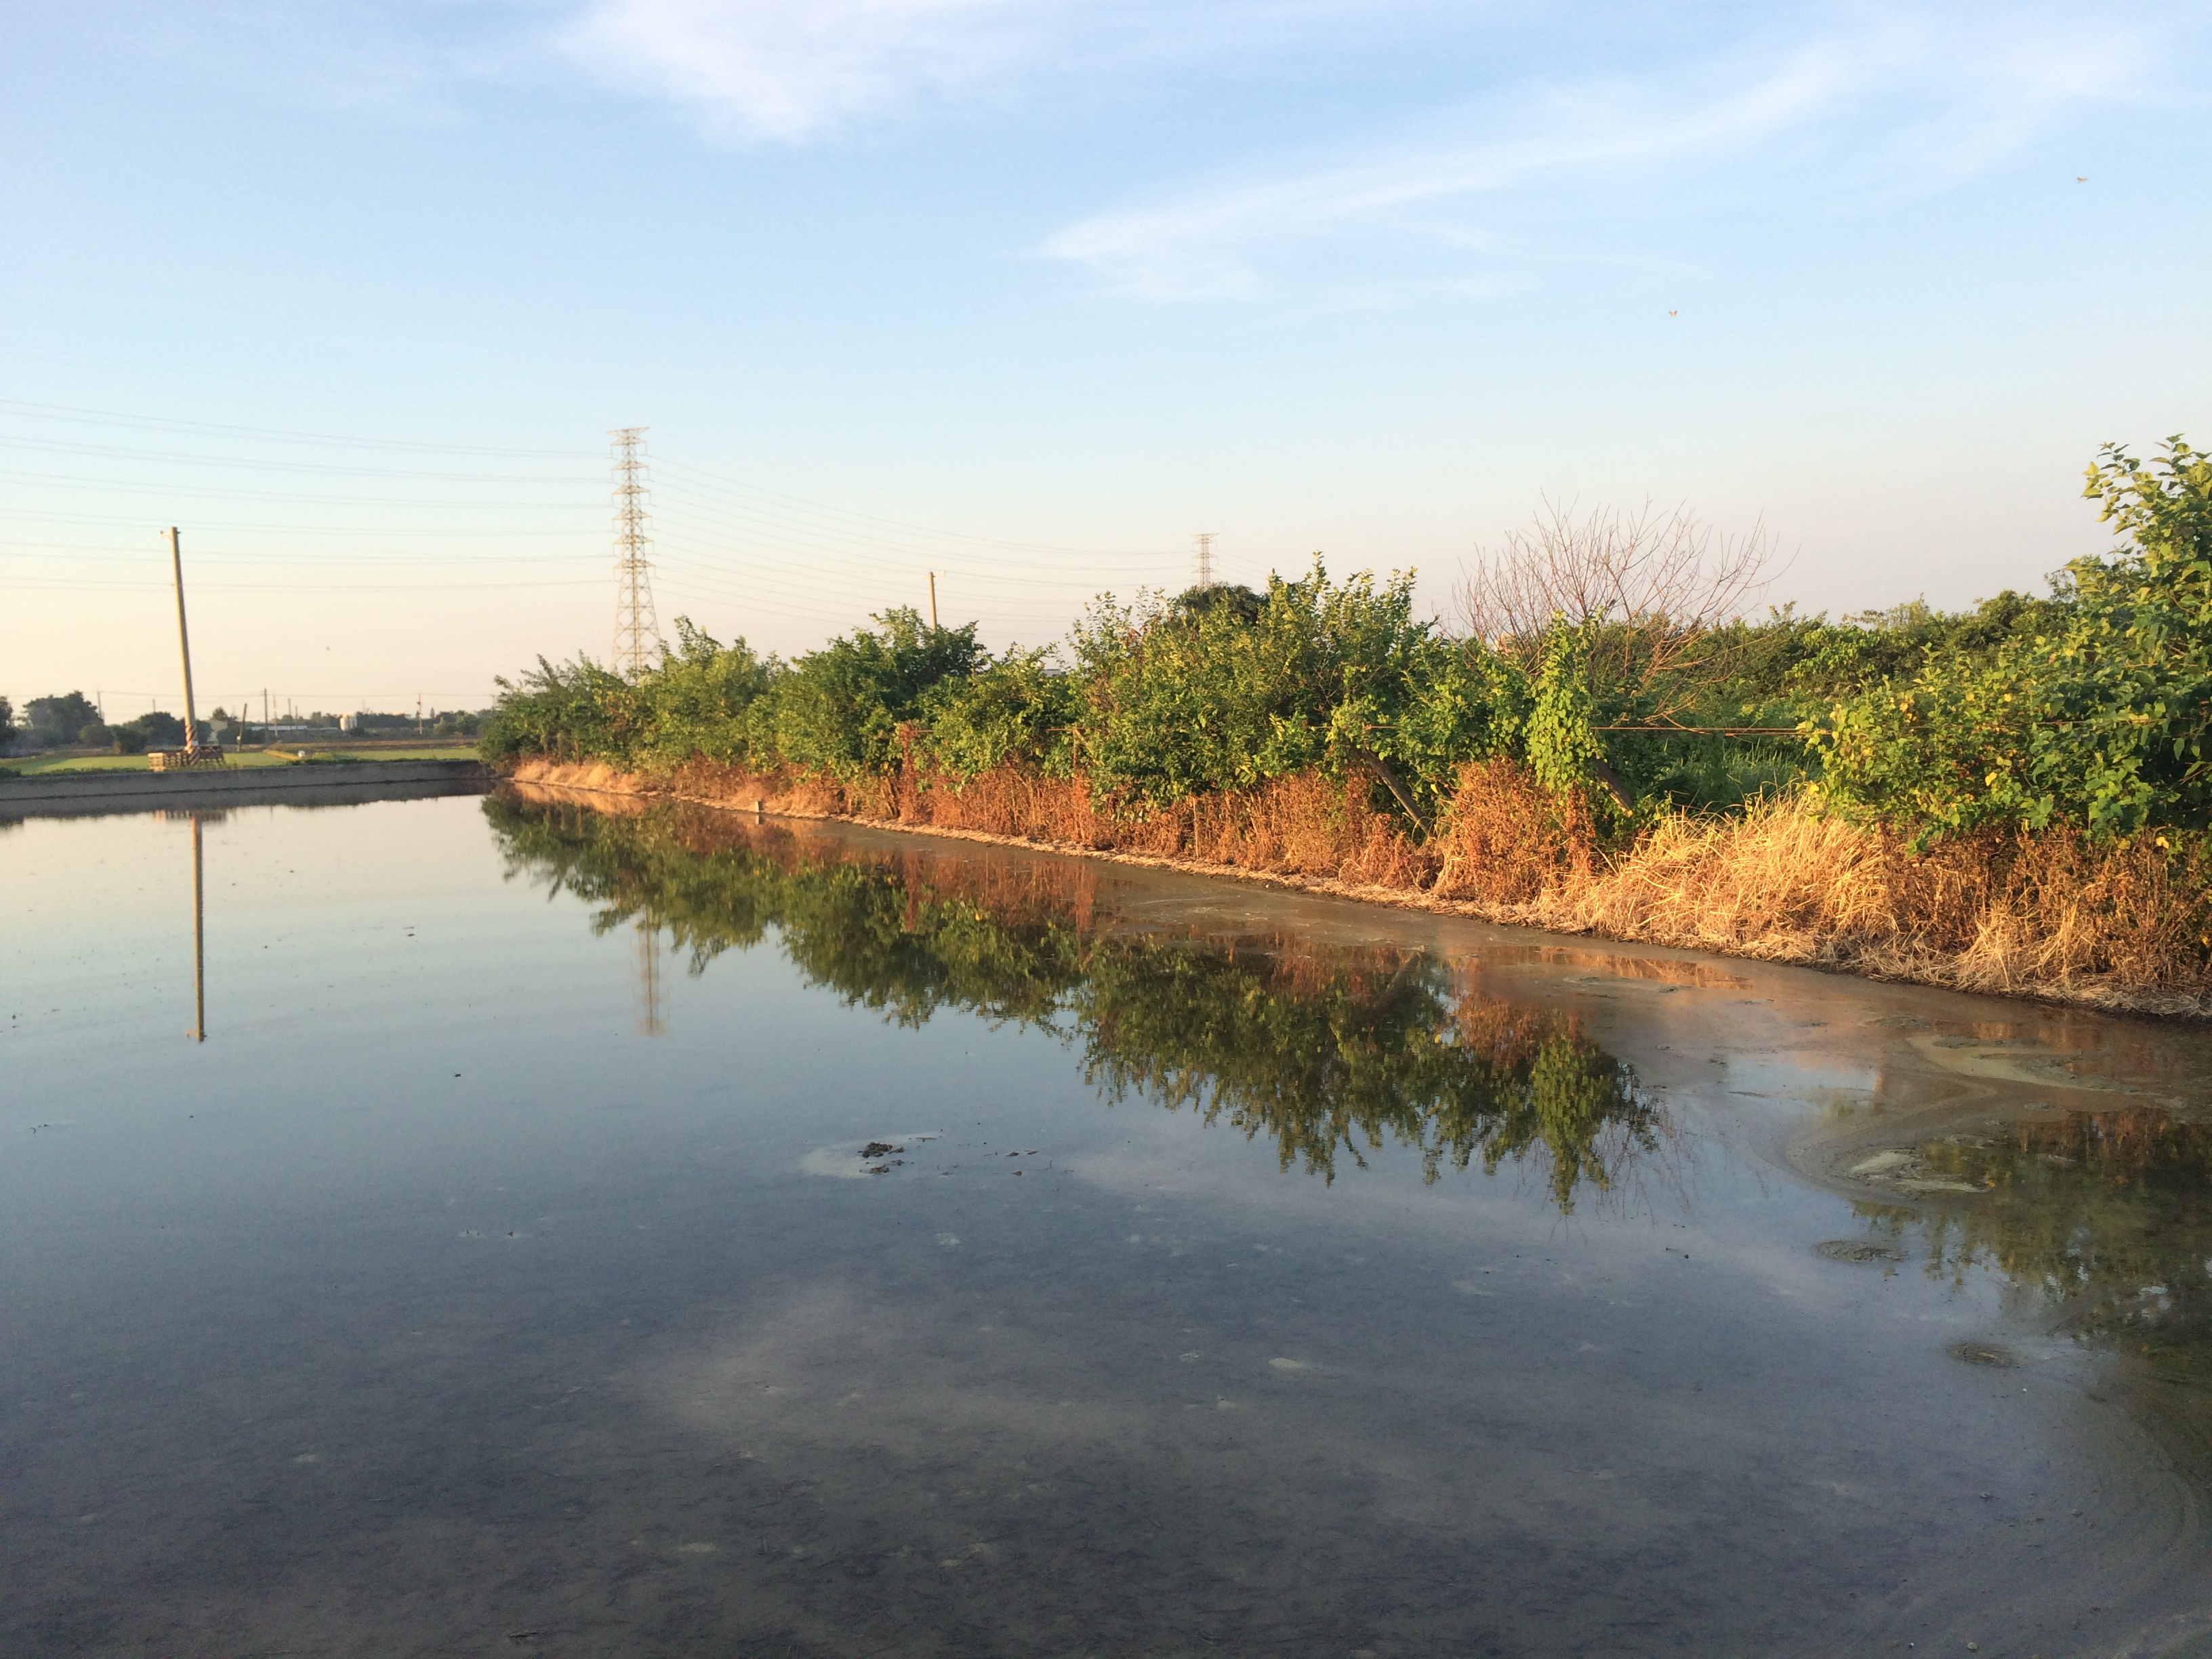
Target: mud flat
{"points": [[76, 794]]}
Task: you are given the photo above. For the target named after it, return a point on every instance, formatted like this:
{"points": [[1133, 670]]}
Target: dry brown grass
{"points": [[2028, 913], [2041, 914]]}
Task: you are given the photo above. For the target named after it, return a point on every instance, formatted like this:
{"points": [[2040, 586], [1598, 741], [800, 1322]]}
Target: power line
{"points": [[159, 423], [139, 521], [46, 447], [776, 560], [110, 486], [109, 553], [54, 585], [732, 490]]}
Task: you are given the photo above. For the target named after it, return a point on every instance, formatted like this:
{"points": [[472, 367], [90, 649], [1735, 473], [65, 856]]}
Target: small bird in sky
{"points": [[1674, 313], [2079, 180]]}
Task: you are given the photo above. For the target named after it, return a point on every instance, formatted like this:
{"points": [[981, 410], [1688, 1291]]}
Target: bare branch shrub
{"points": [[1656, 587]]}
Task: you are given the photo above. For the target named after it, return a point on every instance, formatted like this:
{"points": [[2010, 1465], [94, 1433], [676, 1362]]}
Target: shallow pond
{"points": [[662, 1233]]}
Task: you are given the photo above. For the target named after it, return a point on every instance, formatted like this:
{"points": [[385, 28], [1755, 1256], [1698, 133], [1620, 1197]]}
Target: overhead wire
{"points": [[717, 541], [164, 422], [731, 486], [44, 447]]}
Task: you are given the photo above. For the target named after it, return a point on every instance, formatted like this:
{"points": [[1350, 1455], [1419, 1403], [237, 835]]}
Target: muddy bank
{"points": [[2051, 922]]}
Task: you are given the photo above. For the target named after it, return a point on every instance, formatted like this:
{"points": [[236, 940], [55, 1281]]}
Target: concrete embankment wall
{"points": [[75, 794]]}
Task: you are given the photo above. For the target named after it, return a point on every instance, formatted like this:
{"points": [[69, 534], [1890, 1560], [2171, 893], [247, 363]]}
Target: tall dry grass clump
{"points": [[2021, 912], [1505, 840], [1780, 880]]}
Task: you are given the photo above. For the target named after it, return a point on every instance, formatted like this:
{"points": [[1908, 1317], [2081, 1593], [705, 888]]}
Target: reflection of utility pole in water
{"points": [[198, 1033], [649, 1022]]}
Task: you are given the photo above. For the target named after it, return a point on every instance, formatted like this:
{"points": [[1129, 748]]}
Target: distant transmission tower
{"points": [[637, 629], [1204, 540]]}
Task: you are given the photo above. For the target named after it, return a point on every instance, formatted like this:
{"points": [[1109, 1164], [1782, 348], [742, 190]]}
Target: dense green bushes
{"points": [[2087, 709], [1226, 689], [1220, 689]]}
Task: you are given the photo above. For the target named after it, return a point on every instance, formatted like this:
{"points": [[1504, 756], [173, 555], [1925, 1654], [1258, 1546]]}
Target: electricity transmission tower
{"points": [[637, 629], [1204, 540]]}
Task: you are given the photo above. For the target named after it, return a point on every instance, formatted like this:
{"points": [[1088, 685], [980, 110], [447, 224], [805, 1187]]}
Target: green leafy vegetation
{"points": [[1608, 657], [1154, 701], [2088, 709]]}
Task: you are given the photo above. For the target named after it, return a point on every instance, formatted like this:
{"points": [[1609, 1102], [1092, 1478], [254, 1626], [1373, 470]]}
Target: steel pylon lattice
{"points": [[637, 626]]}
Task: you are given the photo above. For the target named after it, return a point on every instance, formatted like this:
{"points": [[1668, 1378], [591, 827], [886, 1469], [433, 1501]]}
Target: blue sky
{"points": [[1027, 293]]}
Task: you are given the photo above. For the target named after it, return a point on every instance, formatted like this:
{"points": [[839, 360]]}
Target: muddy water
{"points": [[657, 1234]]}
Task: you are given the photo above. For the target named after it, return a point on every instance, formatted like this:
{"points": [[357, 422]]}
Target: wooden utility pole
{"points": [[932, 601], [184, 641], [194, 753]]}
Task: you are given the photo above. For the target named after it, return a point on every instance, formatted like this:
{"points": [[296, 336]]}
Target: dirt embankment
{"points": [[81, 794], [2127, 927]]}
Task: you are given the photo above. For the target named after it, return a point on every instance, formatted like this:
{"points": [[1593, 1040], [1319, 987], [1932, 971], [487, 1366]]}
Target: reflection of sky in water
{"points": [[435, 1300]]}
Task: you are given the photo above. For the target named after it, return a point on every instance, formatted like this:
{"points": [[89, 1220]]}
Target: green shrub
{"points": [[1020, 710], [2097, 718], [1200, 696], [841, 709], [2089, 707]]}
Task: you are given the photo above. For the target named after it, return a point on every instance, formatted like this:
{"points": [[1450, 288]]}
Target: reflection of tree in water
{"points": [[1332, 1051], [2105, 1216], [887, 938], [1326, 1051]]}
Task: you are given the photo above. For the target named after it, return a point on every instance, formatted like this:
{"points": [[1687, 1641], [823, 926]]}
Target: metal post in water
{"points": [[185, 649], [198, 1033]]}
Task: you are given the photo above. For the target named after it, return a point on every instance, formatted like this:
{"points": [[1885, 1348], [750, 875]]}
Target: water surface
{"points": [[664, 1233]]}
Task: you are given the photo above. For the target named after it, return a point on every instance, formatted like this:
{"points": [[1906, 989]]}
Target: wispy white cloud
{"points": [[1484, 197], [797, 69], [1476, 189], [792, 69]]}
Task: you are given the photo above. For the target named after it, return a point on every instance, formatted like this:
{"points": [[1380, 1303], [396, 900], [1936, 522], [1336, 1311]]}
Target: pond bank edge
{"points": [[1900, 964]]}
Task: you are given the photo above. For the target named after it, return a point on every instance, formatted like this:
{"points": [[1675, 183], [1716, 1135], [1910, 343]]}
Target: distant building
{"points": [[349, 722]]}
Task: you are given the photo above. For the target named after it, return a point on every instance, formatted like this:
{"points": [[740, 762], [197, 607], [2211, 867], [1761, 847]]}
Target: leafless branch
{"points": [[1656, 585]]}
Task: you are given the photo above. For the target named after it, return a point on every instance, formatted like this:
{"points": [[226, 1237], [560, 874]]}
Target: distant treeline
{"points": [[1607, 678], [71, 720]]}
